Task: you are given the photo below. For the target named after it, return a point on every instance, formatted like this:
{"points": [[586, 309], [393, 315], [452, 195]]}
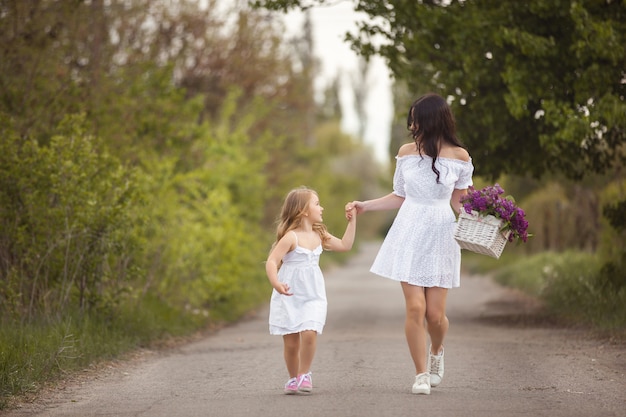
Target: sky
{"points": [[330, 23]]}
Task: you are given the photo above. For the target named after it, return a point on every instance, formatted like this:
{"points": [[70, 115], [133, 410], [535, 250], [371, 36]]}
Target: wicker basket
{"points": [[480, 234]]}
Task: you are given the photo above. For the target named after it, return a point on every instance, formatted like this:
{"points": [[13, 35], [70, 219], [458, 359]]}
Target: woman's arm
{"points": [[389, 202], [455, 200]]}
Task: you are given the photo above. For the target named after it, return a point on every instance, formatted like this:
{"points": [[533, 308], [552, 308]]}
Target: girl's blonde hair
{"points": [[292, 212]]}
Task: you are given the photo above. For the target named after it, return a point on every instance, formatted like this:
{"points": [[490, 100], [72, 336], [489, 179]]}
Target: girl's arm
{"points": [[389, 202], [345, 243], [284, 245], [455, 200]]}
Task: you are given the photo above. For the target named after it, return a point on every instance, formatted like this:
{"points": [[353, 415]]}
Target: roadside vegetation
{"points": [[145, 147], [141, 171], [579, 276], [575, 261], [570, 285]]}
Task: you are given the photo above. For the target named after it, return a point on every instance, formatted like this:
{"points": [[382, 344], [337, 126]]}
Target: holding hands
{"points": [[353, 208]]}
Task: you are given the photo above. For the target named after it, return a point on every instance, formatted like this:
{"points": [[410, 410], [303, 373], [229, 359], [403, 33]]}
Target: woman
{"points": [[419, 251]]}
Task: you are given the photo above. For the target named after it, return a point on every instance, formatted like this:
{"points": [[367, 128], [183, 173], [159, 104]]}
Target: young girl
{"points": [[298, 303], [432, 173]]}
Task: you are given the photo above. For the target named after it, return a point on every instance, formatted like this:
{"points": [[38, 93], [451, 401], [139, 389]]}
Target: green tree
{"points": [[537, 86]]}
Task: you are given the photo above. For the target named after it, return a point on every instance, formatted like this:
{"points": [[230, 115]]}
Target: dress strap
{"points": [[294, 233]]}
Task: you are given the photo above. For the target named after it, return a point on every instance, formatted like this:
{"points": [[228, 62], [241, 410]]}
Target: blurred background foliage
{"points": [[146, 147], [538, 89]]}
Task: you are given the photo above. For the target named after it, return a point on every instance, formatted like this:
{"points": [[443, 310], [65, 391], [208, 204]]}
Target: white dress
{"points": [[420, 248], [306, 308]]}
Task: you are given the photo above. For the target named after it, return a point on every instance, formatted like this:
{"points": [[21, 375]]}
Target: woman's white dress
{"points": [[420, 248], [306, 308]]}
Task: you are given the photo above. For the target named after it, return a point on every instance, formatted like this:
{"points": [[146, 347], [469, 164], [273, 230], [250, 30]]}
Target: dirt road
{"points": [[496, 365]]}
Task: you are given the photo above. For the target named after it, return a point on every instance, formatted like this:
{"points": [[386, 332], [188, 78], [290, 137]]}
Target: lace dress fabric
{"points": [[306, 308], [420, 248]]}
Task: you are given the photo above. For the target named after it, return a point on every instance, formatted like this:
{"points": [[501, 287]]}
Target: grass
{"points": [[569, 284], [39, 352], [35, 353]]}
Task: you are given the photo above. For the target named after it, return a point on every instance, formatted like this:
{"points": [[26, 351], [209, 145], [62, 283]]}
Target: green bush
{"points": [[613, 236], [204, 242], [572, 285], [561, 217], [65, 222], [526, 274], [574, 291]]}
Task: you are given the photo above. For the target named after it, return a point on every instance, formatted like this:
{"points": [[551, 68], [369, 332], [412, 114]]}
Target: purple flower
{"points": [[487, 201]]}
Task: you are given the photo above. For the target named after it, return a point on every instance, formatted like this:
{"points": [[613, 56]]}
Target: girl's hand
{"points": [[282, 288], [350, 212], [353, 208]]}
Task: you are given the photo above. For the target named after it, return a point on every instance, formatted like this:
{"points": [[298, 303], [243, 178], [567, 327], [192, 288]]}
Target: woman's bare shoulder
{"points": [[407, 149], [455, 152]]}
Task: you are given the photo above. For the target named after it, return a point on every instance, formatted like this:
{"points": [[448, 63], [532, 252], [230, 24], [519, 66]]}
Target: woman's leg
{"points": [[414, 326], [436, 316], [307, 351], [292, 353], [437, 323]]}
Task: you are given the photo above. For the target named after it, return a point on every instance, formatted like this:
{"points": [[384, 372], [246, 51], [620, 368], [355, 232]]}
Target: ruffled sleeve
{"points": [[465, 176], [398, 179]]}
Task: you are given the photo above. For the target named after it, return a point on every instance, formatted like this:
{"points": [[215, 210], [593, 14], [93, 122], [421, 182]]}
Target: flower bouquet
{"points": [[488, 221]]}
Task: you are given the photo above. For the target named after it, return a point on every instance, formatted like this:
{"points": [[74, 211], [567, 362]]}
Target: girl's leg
{"points": [[307, 351], [436, 316], [414, 326], [292, 353]]}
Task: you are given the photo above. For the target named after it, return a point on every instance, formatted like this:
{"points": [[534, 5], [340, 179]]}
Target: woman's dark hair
{"points": [[431, 123]]}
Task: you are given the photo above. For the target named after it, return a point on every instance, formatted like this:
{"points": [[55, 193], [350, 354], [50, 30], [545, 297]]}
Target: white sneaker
{"points": [[435, 368], [422, 384]]}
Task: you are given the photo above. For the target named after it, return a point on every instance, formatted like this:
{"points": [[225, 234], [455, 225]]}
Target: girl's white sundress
{"points": [[306, 308], [420, 248]]}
